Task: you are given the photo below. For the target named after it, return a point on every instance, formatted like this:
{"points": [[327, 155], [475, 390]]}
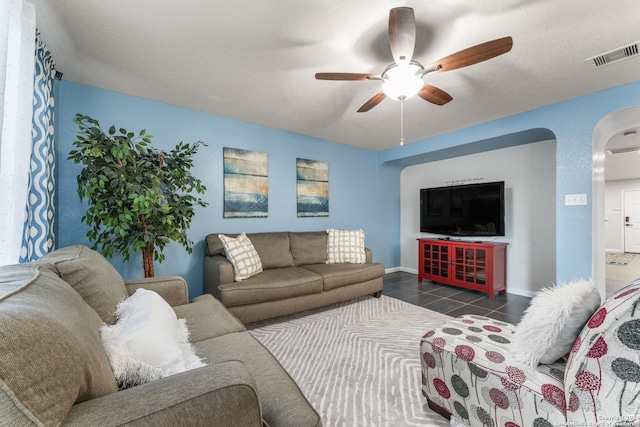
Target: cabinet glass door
{"points": [[440, 261], [470, 265], [426, 264], [480, 266]]}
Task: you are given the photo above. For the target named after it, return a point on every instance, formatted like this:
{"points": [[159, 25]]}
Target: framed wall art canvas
{"points": [[246, 183], [312, 187]]}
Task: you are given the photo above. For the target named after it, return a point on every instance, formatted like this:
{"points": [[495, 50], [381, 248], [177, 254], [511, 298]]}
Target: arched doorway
{"points": [[613, 123]]}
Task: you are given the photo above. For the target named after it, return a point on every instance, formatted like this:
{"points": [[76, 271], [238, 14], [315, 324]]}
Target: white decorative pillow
{"points": [[553, 321], [241, 253], [345, 247], [147, 342]]}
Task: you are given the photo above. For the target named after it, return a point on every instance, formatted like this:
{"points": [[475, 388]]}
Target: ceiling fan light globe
{"points": [[402, 81], [402, 88]]}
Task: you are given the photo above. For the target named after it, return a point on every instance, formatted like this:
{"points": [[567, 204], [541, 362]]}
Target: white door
{"points": [[632, 221]]}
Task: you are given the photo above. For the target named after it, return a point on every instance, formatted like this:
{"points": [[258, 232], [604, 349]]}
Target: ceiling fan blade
{"points": [[375, 100], [473, 55], [434, 95], [346, 76], [402, 34]]}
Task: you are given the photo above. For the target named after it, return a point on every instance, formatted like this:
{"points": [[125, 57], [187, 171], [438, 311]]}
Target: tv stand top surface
{"points": [[463, 242]]}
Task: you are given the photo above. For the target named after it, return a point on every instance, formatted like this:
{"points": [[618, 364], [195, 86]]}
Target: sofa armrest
{"points": [[369, 255], [217, 271], [224, 394], [173, 289], [468, 370]]}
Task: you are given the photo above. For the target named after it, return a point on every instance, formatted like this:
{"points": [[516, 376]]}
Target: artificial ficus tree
{"points": [[138, 197]]}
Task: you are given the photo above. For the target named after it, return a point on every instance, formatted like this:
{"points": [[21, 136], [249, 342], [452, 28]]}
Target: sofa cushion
{"points": [[309, 247], [214, 245], [339, 275], [345, 246], [271, 285], [147, 342], [91, 275], [242, 254], [51, 355], [207, 318], [273, 248]]}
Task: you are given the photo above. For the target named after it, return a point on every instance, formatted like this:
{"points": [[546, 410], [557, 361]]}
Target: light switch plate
{"points": [[575, 199]]}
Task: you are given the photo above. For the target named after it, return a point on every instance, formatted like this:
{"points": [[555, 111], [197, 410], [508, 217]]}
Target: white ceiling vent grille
{"points": [[615, 55]]}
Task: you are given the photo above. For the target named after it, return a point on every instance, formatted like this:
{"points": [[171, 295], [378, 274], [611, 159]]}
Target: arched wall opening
{"points": [[611, 124], [530, 198]]}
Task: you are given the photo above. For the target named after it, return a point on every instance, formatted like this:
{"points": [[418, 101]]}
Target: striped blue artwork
{"points": [[38, 236], [246, 183], [312, 187]]}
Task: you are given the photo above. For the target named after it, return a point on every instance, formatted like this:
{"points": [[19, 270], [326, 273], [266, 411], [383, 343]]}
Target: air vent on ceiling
{"points": [[624, 52], [623, 150]]}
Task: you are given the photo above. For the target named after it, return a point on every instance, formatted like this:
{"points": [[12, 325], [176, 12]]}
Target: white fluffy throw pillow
{"points": [[345, 247], [147, 342], [243, 255], [553, 321]]}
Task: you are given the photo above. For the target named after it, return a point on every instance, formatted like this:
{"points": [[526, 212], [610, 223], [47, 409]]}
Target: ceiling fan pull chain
{"points": [[402, 121]]}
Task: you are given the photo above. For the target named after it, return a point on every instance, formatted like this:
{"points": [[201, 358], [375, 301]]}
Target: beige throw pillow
{"points": [[345, 247], [244, 257]]}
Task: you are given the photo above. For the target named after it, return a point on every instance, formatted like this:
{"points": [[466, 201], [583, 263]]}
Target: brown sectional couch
{"points": [[54, 369], [295, 276]]}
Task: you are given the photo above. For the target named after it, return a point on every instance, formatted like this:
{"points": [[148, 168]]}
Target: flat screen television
{"points": [[463, 210]]}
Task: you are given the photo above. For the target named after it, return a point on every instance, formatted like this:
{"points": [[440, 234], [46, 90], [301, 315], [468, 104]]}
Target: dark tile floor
{"points": [[451, 300]]}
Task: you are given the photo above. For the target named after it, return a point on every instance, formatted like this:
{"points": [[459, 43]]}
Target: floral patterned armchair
{"points": [[468, 372]]}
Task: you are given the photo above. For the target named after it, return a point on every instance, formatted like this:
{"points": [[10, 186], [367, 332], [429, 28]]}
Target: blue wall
{"points": [[572, 122], [364, 185], [353, 190]]}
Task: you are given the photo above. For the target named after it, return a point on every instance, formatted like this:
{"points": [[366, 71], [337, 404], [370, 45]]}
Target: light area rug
{"points": [[357, 362], [618, 258]]}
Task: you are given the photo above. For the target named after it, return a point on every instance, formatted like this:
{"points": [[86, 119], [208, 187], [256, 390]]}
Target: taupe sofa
{"points": [[295, 277], [54, 370]]}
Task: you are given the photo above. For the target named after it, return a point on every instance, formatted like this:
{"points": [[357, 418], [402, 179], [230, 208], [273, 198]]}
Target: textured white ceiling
{"points": [[255, 60], [623, 165]]}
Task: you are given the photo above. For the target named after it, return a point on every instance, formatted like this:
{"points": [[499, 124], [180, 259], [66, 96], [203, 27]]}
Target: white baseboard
{"points": [[522, 292], [403, 269], [615, 251]]}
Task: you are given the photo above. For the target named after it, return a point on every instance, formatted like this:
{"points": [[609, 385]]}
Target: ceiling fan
{"points": [[403, 78]]}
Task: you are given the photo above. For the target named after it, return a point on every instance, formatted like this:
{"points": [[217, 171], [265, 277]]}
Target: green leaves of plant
{"points": [[138, 197]]}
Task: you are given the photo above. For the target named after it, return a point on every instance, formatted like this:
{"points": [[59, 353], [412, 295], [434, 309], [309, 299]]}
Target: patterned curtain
{"points": [[38, 235]]}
